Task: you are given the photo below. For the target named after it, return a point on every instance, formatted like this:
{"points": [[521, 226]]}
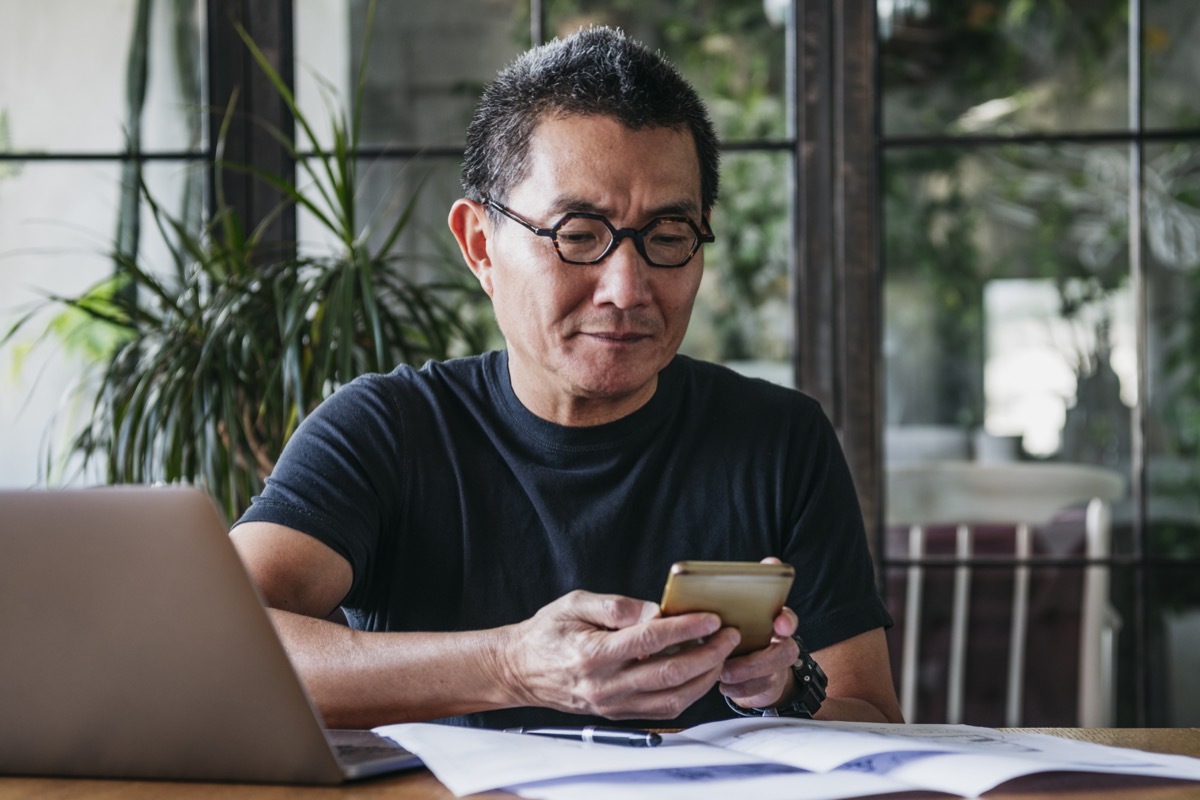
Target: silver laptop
{"points": [[134, 645]]}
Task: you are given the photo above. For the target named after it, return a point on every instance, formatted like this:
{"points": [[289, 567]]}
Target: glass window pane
{"points": [[63, 86], [1008, 66], [1172, 62], [742, 315], [428, 63], [58, 224], [386, 187], [1008, 328], [1174, 602], [733, 51], [1009, 336], [1172, 247]]}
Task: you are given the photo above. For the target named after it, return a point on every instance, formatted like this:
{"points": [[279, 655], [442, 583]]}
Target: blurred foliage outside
{"points": [[957, 217]]}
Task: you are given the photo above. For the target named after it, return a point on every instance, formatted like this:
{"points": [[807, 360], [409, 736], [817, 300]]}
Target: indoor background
{"points": [[970, 228]]}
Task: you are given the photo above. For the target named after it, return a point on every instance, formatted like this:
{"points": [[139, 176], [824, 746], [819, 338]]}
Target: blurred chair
{"points": [[973, 510]]}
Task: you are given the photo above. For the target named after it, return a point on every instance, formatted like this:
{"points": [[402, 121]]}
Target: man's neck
{"points": [[562, 407]]}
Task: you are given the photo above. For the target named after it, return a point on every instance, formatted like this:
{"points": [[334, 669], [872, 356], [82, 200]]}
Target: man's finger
{"points": [[665, 704], [786, 623], [754, 694], [773, 660], [677, 669], [690, 672], [655, 636], [611, 611]]}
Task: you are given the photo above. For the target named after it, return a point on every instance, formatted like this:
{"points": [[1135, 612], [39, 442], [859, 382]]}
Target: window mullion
{"points": [[256, 111]]}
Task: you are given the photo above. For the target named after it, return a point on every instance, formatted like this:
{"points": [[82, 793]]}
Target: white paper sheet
{"points": [[959, 759], [469, 760], [767, 758], [711, 783]]}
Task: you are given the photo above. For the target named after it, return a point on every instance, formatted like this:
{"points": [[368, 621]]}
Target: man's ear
{"points": [[471, 228]]}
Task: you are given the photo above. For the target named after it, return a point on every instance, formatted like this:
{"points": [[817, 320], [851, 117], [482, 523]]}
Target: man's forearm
{"points": [[359, 679], [583, 654], [851, 709]]}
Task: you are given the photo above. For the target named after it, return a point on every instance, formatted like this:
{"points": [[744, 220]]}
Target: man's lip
{"points": [[617, 336]]}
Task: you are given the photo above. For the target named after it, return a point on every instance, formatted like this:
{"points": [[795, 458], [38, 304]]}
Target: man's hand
{"points": [[764, 678], [601, 654]]}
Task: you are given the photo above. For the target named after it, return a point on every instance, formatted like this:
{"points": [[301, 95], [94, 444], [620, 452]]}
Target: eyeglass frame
{"points": [[703, 235]]}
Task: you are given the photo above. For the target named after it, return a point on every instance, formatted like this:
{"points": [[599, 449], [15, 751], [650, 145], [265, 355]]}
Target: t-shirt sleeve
{"points": [[835, 594], [338, 477]]}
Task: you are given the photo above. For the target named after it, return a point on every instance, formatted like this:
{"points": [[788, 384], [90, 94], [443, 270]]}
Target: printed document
{"points": [[769, 758]]}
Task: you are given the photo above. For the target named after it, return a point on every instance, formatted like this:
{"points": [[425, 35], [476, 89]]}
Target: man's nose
{"points": [[625, 279]]}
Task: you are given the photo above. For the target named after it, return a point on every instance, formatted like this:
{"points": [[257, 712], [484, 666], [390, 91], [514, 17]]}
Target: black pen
{"points": [[592, 734]]}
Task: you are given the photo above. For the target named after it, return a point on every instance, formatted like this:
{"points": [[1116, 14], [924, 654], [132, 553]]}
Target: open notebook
{"points": [[134, 645]]}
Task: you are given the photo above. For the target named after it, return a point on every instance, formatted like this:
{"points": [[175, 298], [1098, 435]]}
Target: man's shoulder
{"points": [[464, 374], [725, 384], [410, 395]]}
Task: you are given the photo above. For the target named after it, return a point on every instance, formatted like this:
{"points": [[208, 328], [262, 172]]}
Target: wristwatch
{"points": [[810, 690]]}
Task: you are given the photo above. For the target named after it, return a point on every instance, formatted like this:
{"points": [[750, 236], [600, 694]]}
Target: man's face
{"points": [[586, 342]]}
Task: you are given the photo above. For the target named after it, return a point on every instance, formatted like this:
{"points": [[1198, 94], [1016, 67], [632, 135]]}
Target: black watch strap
{"points": [[810, 690]]}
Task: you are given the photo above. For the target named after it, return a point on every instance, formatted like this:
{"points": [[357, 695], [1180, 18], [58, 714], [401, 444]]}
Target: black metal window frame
{"points": [[1139, 563]]}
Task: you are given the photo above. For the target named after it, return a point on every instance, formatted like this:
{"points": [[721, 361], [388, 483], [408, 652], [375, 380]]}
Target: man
{"points": [[498, 528]]}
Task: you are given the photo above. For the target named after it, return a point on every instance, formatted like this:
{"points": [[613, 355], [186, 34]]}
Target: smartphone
{"points": [[747, 595]]}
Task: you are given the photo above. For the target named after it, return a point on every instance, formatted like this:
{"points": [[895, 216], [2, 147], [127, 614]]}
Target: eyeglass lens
{"points": [[667, 242]]}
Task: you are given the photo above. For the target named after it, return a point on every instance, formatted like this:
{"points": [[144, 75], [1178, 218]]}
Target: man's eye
{"points": [[668, 240], [576, 237]]}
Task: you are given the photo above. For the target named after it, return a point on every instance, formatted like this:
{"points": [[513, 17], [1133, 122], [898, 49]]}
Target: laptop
{"points": [[134, 645]]}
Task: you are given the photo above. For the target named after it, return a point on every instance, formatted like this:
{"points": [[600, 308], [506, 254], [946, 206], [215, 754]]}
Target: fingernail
{"points": [[649, 612]]}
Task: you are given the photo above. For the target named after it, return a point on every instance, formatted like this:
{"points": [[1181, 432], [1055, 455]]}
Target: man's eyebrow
{"points": [[685, 208], [567, 204]]}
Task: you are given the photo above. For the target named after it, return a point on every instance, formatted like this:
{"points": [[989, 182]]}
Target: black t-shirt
{"points": [[458, 509]]}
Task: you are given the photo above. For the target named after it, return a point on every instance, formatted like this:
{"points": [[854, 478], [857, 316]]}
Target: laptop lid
{"points": [[135, 646]]}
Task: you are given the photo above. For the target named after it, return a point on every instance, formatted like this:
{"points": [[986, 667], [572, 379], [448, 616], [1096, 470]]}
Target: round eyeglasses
{"points": [[582, 238]]}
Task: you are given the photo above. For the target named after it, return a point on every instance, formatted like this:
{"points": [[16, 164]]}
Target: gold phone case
{"points": [[747, 595]]}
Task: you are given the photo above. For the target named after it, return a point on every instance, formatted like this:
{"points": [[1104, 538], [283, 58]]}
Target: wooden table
{"points": [[421, 785]]}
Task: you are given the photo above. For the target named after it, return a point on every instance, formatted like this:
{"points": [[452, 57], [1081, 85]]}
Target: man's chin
{"points": [[616, 388]]}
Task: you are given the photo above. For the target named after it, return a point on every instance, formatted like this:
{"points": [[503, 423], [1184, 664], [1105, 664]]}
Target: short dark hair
{"points": [[597, 71]]}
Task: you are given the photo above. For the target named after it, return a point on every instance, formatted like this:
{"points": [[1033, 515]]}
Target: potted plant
{"points": [[209, 367]]}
